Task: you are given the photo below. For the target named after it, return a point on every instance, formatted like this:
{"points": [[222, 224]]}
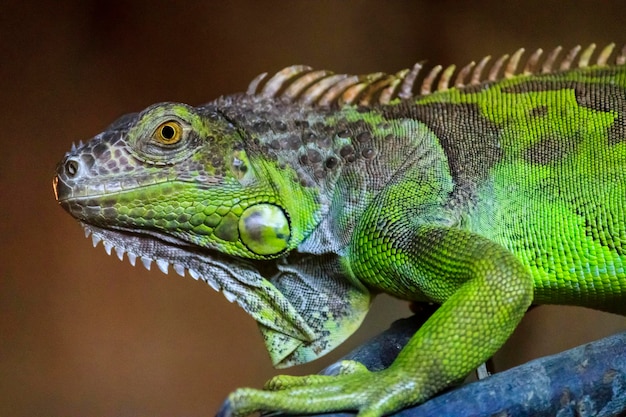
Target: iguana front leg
{"points": [[485, 291]]}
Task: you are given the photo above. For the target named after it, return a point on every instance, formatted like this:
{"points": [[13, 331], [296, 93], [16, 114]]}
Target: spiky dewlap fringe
{"points": [[162, 264]]}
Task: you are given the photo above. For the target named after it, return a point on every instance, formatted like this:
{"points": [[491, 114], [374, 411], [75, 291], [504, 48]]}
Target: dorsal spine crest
{"points": [[322, 88]]}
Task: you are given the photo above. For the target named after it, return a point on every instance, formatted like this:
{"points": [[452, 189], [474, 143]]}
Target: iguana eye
{"points": [[169, 133]]}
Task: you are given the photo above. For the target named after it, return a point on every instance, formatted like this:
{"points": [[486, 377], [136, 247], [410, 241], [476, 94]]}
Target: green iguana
{"points": [[311, 193]]}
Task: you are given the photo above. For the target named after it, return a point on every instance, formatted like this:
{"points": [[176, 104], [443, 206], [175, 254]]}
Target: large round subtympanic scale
{"points": [[264, 229]]}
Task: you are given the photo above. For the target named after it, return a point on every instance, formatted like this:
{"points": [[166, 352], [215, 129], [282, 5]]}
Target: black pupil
{"points": [[168, 132]]}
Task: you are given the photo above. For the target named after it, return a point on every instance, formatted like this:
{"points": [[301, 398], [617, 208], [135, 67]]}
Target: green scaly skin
{"points": [[484, 198]]}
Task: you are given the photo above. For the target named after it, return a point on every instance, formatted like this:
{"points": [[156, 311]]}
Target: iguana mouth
{"points": [[142, 247]]}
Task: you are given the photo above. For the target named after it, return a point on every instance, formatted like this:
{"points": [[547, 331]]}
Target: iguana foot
{"points": [[373, 394]]}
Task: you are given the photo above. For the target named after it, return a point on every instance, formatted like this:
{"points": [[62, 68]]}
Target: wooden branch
{"points": [[589, 380]]}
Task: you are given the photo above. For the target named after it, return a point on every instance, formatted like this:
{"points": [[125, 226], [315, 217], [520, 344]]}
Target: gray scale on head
{"points": [[318, 142], [298, 136], [109, 154]]}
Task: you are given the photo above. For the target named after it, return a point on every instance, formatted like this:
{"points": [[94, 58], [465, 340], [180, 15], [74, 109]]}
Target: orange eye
{"points": [[169, 133]]}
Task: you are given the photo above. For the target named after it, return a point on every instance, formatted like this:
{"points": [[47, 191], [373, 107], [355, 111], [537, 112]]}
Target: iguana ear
{"points": [[331, 305]]}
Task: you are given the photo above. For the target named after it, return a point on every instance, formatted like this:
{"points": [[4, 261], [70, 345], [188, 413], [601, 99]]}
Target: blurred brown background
{"points": [[82, 334]]}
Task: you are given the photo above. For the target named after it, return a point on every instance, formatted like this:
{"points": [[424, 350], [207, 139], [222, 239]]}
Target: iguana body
{"points": [[313, 192]]}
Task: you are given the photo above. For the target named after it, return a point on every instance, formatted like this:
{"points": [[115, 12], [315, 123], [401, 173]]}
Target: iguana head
{"points": [[177, 172], [189, 189]]}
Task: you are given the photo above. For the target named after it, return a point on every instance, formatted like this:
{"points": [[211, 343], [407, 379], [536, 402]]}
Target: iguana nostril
{"points": [[71, 167]]}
